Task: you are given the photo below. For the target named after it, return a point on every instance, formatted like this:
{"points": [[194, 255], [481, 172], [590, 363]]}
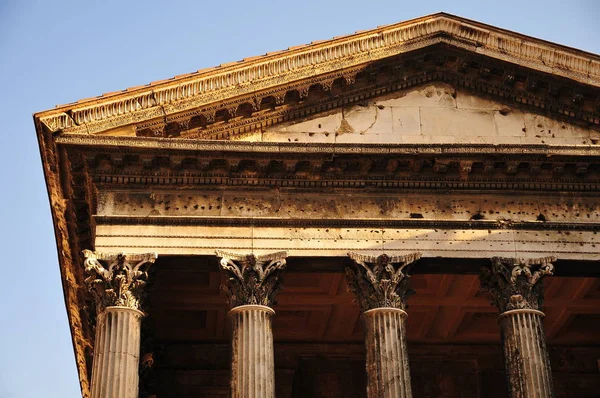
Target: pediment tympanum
{"points": [[241, 98], [429, 114]]}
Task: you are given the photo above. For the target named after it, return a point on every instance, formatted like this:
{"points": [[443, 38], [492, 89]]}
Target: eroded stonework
{"points": [[515, 283], [117, 279], [442, 135], [252, 280], [379, 282], [433, 113]]}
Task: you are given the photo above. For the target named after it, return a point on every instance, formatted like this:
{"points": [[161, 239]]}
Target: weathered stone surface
{"points": [[434, 113], [338, 241], [474, 226], [525, 355], [380, 282], [381, 285], [252, 280], [251, 286], [516, 288], [515, 283], [388, 373], [252, 358], [356, 205], [116, 353], [118, 282]]}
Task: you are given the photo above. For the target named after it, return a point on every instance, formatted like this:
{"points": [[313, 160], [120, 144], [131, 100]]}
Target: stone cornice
{"points": [[226, 81], [137, 162], [182, 144]]}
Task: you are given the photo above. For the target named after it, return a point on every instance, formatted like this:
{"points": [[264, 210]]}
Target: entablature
{"points": [[176, 162]]}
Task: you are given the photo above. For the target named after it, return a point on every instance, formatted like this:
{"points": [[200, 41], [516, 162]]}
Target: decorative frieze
{"points": [[117, 279], [379, 282], [251, 279], [515, 283]]}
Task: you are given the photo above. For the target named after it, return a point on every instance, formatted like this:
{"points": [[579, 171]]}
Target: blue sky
{"points": [[55, 52]]}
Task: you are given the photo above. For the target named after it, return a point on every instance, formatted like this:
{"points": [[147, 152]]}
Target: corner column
{"points": [[252, 282], [116, 282], [381, 288], [516, 288]]}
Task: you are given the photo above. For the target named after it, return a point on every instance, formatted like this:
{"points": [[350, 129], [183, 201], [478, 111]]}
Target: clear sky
{"points": [[55, 52]]}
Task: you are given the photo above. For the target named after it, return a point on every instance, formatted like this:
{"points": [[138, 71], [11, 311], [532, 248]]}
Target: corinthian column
{"points": [[116, 282], [252, 282], [381, 287], [516, 288]]}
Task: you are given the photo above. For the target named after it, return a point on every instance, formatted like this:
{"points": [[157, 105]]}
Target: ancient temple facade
{"points": [[407, 211]]}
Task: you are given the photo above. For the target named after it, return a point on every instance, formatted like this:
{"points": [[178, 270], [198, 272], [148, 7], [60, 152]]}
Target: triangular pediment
{"points": [[434, 113], [235, 100]]}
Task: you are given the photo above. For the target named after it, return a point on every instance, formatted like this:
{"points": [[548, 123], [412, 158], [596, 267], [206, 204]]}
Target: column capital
{"points": [[515, 283], [380, 281], [252, 279], [117, 279]]}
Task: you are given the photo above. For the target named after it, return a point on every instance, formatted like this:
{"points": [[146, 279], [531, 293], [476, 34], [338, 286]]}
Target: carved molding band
{"points": [[117, 279], [252, 280], [515, 283], [380, 281]]}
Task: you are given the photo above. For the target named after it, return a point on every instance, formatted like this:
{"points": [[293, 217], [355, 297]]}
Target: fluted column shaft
{"points": [[252, 362], [116, 282], [388, 374], [516, 288], [116, 353], [381, 286], [525, 355], [252, 282]]}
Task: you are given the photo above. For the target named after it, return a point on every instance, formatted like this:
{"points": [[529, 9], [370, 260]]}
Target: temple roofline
{"points": [[273, 69]]}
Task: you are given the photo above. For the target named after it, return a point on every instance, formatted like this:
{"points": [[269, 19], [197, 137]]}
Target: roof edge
{"points": [[225, 81]]}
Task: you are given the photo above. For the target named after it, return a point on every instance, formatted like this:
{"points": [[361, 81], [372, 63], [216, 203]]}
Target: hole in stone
{"points": [[477, 216]]}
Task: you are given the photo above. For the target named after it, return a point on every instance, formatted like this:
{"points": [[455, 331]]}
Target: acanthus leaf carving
{"points": [[251, 279], [380, 282], [327, 84], [232, 110], [279, 98], [350, 78], [256, 102], [303, 92], [209, 116], [117, 279], [515, 283]]}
